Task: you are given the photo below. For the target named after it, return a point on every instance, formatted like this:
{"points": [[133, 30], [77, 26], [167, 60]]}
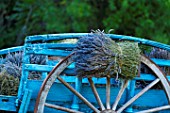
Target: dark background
{"points": [[141, 18]]}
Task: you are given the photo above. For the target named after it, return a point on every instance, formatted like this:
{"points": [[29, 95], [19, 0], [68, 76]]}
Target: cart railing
{"points": [[54, 51], [47, 45]]}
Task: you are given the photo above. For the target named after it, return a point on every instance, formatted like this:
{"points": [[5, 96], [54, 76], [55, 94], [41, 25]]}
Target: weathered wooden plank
{"points": [[71, 79], [24, 77], [7, 103], [161, 62], [147, 77], [141, 41], [12, 49], [25, 101], [36, 67], [45, 68], [50, 37], [113, 36], [53, 52], [51, 45]]}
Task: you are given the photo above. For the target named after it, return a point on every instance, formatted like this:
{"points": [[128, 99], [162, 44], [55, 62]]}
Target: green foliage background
{"points": [[141, 18]]}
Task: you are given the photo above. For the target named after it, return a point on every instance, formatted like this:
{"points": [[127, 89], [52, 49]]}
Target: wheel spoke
{"points": [[138, 95], [96, 94], [108, 93], [155, 109], [123, 87], [78, 94], [159, 74], [47, 83], [62, 108]]}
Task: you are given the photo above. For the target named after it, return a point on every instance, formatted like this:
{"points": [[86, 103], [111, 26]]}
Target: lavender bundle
{"points": [[97, 55]]}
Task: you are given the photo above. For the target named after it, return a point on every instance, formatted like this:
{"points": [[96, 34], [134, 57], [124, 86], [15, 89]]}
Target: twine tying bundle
{"points": [[99, 56], [130, 59]]}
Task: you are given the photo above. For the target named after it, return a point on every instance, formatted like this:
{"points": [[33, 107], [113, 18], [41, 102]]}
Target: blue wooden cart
{"points": [[60, 90]]}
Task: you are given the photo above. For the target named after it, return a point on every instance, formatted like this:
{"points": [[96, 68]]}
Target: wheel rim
{"points": [[54, 74]]}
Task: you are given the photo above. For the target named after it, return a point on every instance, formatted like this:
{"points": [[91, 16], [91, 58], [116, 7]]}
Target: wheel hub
{"points": [[108, 111]]}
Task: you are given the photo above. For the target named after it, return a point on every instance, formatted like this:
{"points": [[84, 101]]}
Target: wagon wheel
{"points": [[54, 74]]}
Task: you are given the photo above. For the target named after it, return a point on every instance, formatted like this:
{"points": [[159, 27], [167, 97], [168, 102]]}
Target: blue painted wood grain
{"points": [[161, 62], [25, 101], [12, 49], [54, 52], [152, 98], [7, 103], [49, 37], [52, 45]]}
